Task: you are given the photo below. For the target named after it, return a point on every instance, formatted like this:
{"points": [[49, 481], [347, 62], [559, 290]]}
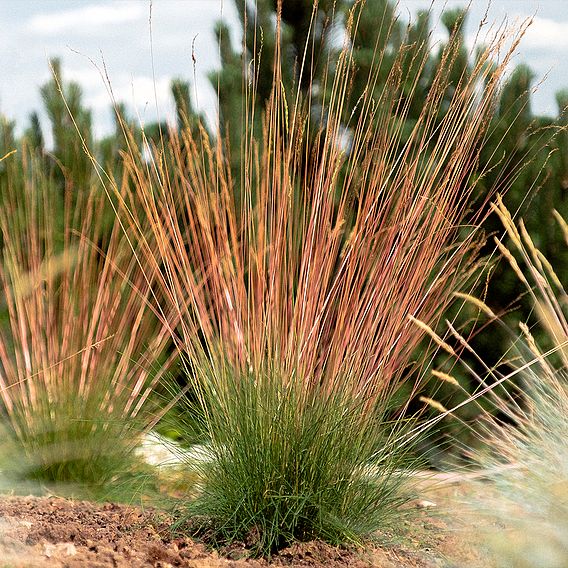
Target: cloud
{"points": [[546, 34], [140, 92], [86, 18]]}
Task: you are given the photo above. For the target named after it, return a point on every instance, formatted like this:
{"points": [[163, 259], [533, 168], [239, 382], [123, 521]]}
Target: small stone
{"points": [[66, 548], [423, 504]]}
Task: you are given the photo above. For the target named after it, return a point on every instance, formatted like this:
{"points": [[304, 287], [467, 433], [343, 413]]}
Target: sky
{"points": [[86, 33]]}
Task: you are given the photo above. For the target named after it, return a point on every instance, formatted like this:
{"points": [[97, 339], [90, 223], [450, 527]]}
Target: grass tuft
{"points": [[284, 467], [79, 346]]}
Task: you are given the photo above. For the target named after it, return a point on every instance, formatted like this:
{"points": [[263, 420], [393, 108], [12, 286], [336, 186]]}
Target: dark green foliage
{"points": [[63, 101], [34, 134]]}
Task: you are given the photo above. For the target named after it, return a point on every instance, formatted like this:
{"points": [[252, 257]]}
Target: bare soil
{"points": [[55, 532]]}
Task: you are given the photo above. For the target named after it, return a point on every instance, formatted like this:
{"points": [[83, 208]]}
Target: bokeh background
{"points": [[84, 32]]}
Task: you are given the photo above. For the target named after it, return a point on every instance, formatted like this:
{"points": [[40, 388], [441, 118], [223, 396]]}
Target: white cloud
{"points": [[139, 92], [546, 34], [87, 17]]}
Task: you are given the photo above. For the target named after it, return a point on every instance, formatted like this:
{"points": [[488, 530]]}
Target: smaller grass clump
{"points": [[527, 456], [79, 346], [75, 446]]}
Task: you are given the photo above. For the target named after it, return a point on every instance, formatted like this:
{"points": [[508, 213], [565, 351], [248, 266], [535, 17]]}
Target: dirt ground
{"points": [[55, 532]]}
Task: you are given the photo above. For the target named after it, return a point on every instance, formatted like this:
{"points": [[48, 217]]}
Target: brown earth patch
{"points": [[55, 532]]}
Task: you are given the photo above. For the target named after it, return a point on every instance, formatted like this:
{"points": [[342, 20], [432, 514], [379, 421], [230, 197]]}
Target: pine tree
{"points": [[34, 134], [64, 106]]}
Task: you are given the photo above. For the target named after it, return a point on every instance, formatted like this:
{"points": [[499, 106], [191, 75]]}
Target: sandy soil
{"points": [[55, 532]]}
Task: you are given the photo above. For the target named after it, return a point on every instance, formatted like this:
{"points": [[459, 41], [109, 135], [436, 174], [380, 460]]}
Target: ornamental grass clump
{"points": [[298, 284], [79, 345]]}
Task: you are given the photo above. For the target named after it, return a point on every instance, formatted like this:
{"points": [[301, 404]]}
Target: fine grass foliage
{"points": [[286, 466], [299, 283], [79, 344]]}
